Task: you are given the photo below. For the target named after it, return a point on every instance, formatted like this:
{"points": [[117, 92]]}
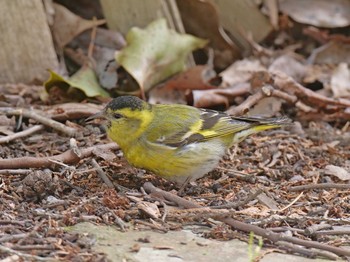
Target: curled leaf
{"points": [[84, 80], [156, 53]]}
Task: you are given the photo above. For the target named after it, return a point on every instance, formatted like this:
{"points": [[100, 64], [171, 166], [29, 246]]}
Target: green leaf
{"points": [[156, 53], [84, 80]]}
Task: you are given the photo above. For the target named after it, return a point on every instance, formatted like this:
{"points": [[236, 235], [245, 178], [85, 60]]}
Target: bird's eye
{"points": [[116, 115]]}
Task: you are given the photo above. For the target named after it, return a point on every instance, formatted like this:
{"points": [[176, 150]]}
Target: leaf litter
{"points": [[292, 181]]}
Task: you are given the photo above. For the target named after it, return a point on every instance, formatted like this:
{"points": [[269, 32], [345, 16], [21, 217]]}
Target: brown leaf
{"points": [[241, 71], [68, 25], [179, 87], [337, 171], [340, 81], [289, 65], [322, 13], [201, 18]]}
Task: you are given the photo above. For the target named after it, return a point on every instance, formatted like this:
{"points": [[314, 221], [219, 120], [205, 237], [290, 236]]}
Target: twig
{"points": [[31, 233], [289, 219], [102, 174], [21, 134], [15, 171], [275, 237], [12, 222], [286, 83], [280, 85], [268, 234], [311, 230], [247, 104], [9, 238], [92, 40], [23, 255], [40, 118], [333, 232], [156, 227], [34, 247], [319, 186], [68, 157], [291, 203], [307, 252], [235, 205]]}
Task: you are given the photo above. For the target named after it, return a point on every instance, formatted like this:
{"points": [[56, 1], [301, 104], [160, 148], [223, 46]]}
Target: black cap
{"points": [[132, 102]]}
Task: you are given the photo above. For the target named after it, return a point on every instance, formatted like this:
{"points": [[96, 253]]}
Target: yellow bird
{"points": [[177, 142]]}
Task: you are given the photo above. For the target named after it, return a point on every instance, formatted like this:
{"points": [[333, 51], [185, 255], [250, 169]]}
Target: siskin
{"points": [[177, 142]]}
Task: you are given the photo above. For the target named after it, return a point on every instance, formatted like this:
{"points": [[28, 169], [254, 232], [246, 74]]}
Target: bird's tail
{"points": [[258, 124]]}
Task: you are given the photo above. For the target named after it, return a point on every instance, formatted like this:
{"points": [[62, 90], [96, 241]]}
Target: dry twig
{"points": [[280, 85], [319, 186], [4, 249], [21, 134], [69, 131], [268, 234], [102, 174], [68, 157]]}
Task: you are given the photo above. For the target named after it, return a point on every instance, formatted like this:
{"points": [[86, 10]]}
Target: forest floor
{"points": [[291, 181]]}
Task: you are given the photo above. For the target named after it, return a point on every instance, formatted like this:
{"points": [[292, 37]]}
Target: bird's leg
{"points": [[182, 188]]}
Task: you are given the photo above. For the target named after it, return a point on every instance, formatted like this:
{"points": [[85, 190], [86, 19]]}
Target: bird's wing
{"points": [[209, 124], [185, 127]]}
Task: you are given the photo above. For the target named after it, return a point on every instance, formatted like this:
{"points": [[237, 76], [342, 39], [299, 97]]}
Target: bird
{"points": [[179, 143]]}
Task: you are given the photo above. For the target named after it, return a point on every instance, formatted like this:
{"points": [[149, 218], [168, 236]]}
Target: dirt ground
{"points": [[289, 181]]}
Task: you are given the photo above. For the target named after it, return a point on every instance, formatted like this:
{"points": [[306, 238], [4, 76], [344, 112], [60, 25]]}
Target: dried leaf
{"points": [[289, 65], [201, 18], [322, 13], [195, 78], [340, 81], [209, 98], [150, 209], [84, 80], [67, 25], [337, 171], [240, 72], [155, 53], [163, 95]]}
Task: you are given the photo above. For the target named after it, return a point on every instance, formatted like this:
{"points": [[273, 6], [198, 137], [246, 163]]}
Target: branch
{"points": [[319, 186], [24, 133], [268, 234], [40, 118], [72, 156]]}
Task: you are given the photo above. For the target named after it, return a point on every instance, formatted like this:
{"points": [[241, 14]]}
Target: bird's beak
{"points": [[100, 114]]}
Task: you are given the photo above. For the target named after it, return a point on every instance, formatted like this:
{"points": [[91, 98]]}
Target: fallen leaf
{"points": [[322, 13], [163, 95], [106, 155], [194, 78], [67, 25], [267, 107], [84, 80], [220, 96], [333, 52], [209, 98], [156, 53], [337, 171], [201, 18], [340, 81], [179, 87], [240, 71], [289, 65], [149, 209]]}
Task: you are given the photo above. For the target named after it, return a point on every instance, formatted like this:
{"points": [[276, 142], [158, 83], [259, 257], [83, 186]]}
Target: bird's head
{"points": [[127, 117]]}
